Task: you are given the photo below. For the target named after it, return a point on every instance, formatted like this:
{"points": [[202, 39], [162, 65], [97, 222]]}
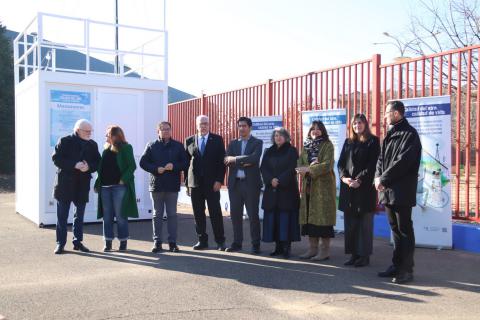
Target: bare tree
{"points": [[440, 25]]}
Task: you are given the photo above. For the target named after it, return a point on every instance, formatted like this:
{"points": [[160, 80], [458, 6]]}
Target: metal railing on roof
{"points": [[36, 48]]}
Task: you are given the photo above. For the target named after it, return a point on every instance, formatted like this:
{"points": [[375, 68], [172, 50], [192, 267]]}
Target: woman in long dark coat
{"points": [[358, 197], [281, 198]]}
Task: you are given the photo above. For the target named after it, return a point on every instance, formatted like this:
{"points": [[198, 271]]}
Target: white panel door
{"points": [[124, 108]]}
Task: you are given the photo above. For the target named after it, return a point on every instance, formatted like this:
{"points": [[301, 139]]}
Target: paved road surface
{"points": [[36, 284]]}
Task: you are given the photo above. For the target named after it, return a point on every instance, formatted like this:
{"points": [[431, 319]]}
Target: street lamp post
{"points": [[401, 45]]}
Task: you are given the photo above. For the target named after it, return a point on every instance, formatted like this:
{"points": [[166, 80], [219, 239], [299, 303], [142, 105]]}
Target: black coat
{"points": [[398, 165], [158, 154], [72, 184], [280, 163], [357, 161], [208, 168]]}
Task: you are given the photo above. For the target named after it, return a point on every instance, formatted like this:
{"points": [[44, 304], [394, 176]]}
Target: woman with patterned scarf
{"points": [[318, 199]]}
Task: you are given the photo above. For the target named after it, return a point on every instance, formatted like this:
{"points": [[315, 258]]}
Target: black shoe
{"points": [[123, 246], [234, 248], [403, 277], [200, 246], [78, 246], [256, 249], [157, 247], [278, 250], [362, 262], [108, 246], [173, 247], [389, 273], [351, 261], [59, 249], [221, 246]]}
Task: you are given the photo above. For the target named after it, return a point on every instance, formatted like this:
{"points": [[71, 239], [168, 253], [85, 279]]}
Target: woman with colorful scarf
{"points": [[318, 199]]}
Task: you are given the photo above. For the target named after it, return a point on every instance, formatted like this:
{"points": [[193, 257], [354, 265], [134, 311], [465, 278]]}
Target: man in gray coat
{"points": [[244, 183]]}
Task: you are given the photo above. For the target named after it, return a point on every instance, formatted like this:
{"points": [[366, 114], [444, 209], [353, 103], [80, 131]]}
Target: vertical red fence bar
{"points": [[477, 148], [376, 94], [407, 80], [467, 135], [457, 140]]}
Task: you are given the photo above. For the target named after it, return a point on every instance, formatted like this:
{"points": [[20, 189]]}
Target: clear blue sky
{"points": [[217, 45]]}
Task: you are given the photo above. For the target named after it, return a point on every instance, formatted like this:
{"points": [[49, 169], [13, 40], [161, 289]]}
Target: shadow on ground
{"points": [[294, 274]]}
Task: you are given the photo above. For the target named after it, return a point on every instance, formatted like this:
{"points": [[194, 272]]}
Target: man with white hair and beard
{"points": [[76, 157]]}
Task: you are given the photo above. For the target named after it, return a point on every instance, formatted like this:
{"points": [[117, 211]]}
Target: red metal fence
{"points": [[363, 86]]}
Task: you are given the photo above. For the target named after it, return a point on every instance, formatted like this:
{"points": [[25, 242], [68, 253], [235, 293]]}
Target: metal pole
{"points": [[117, 69]]}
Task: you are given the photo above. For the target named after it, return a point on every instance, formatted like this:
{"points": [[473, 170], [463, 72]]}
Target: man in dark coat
{"points": [[244, 183], [76, 156], [203, 179], [164, 159], [396, 179]]}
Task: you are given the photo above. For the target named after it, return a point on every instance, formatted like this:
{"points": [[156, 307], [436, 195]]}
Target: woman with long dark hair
{"points": [[116, 187], [318, 200], [358, 197]]}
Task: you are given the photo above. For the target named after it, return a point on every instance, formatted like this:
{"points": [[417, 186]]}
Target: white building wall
{"points": [[137, 105]]}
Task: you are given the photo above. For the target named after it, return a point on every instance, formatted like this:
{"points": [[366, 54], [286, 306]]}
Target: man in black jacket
{"points": [[76, 156], [165, 159], [244, 183], [203, 179], [396, 180]]}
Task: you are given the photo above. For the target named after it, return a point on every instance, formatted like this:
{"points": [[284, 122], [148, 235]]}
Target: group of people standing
{"points": [[364, 168]]}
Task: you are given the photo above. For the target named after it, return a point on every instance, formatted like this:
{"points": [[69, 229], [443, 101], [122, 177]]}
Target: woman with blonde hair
{"points": [[115, 185]]}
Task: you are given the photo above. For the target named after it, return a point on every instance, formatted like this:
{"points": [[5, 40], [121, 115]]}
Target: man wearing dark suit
{"points": [[76, 157], [204, 178], [244, 183]]}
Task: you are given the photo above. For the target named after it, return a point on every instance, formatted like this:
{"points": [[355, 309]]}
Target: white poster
{"points": [[262, 128], [335, 122], [66, 107], [432, 217]]}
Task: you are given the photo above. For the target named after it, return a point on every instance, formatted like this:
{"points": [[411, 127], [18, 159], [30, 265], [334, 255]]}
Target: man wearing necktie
{"points": [[244, 183], [203, 179]]}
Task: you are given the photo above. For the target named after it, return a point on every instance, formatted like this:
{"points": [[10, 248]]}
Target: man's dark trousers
{"points": [[199, 195], [63, 207], [240, 194], [400, 219]]}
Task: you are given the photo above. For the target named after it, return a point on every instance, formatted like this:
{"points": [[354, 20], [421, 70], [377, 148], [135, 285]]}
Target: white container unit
{"points": [[48, 101]]}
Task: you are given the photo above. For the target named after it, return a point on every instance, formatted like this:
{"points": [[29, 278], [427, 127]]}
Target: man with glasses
{"points": [[76, 157], [164, 159], [396, 179]]}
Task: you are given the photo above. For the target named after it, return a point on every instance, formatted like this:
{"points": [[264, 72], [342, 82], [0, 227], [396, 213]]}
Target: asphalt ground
{"points": [[137, 284]]}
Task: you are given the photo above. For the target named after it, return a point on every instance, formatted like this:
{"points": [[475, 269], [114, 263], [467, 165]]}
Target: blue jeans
{"points": [[63, 207], [112, 198], [161, 201]]}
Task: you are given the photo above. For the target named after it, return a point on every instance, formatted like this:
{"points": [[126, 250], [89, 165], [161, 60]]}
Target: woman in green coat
{"points": [[318, 200], [115, 185]]}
